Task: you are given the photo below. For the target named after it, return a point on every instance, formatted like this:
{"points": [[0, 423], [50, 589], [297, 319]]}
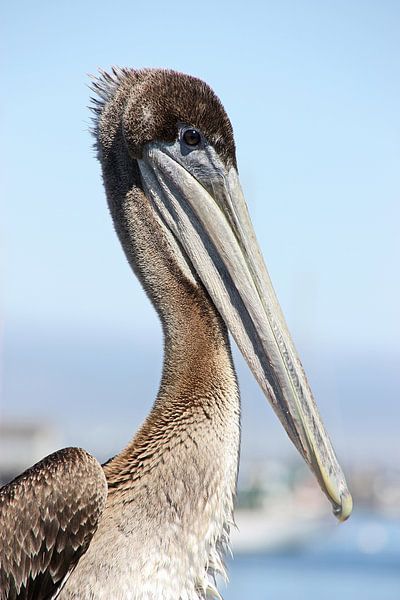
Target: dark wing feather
{"points": [[48, 516]]}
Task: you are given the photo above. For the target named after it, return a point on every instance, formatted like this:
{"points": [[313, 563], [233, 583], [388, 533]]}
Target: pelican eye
{"points": [[192, 137]]}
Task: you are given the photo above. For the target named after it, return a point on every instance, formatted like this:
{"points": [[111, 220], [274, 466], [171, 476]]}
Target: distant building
{"points": [[22, 445]]}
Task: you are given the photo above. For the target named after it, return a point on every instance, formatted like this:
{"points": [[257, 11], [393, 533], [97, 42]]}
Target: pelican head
{"points": [[166, 143]]}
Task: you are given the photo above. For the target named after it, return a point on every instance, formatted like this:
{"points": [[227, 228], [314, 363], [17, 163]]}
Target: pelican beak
{"points": [[205, 209]]}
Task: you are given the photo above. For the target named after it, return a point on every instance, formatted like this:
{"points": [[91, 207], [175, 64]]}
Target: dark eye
{"points": [[191, 137]]}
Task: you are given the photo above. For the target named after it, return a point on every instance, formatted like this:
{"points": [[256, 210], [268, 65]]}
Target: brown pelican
{"points": [[167, 153]]}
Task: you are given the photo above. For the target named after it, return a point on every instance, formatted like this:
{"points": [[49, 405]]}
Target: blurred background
{"points": [[313, 92]]}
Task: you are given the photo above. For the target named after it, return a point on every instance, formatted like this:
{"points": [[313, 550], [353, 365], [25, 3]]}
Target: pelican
{"points": [[153, 523]]}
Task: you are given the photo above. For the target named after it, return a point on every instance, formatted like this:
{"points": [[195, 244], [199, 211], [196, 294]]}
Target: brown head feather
{"points": [[149, 104]]}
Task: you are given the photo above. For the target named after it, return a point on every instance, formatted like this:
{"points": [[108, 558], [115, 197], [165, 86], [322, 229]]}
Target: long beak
{"points": [[211, 221]]}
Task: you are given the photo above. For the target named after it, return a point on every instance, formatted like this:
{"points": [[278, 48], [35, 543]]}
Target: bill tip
{"points": [[343, 510]]}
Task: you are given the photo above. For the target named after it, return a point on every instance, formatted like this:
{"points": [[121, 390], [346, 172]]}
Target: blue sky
{"points": [[313, 92]]}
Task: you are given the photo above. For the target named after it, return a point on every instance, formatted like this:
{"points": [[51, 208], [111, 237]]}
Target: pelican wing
{"points": [[48, 516]]}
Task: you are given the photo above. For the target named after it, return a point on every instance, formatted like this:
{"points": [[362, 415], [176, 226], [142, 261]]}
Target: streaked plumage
{"points": [[178, 210], [48, 517]]}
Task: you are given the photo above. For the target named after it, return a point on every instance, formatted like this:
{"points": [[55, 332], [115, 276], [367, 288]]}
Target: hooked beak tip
{"points": [[343, 510], [334, 485]]}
